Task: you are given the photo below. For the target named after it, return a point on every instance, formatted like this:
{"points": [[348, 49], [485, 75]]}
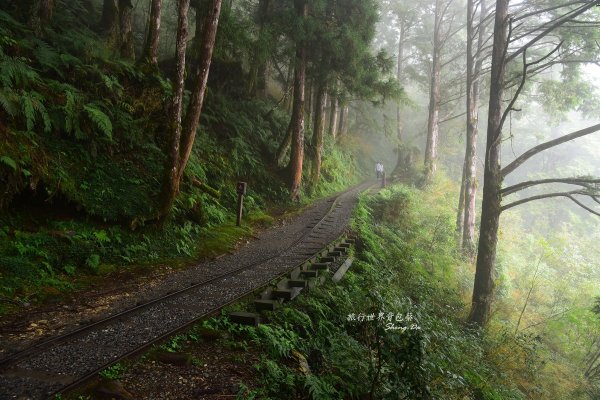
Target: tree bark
{"points": [[40, 14], [194, 110], [185, 134], [297, 121], [109, 24], [151, 46], [170, 186], [201, 7], [474, 64], [483, 288], [460, 214], [399, 147], [433, 121], [285, 145], [333, 115], [258, 72], [319, 128], [343, 121], [126, 44]]}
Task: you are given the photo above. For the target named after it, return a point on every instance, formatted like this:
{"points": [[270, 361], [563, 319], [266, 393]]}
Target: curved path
{"points": [[51, 365]]}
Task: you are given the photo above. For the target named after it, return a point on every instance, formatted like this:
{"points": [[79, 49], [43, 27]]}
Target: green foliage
{"points": [[114, 372], [314, 349]]}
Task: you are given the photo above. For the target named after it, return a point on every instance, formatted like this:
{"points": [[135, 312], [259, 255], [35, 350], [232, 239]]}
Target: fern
{"points": [[9, 101], [47, 56], [318, 389], [16, 72], [100, 119], [9, 161], [32, 105], [28, 112]]}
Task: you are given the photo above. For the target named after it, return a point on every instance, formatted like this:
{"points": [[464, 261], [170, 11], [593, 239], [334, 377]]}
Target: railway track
{"points": [[65, 361]]}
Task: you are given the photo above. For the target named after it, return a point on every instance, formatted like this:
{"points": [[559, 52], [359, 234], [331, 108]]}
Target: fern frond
{"points": [[100, 119], [47, 56], [40, 108], [9, 101], [69, 110], [16, 72], [28, 111]]}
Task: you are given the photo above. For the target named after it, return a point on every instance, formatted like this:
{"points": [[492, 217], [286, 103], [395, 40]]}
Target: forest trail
{"points": [[270, 254]]}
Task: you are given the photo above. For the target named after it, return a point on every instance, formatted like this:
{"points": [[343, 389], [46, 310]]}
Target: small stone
{"points": [[168, 357], [113, 390]]}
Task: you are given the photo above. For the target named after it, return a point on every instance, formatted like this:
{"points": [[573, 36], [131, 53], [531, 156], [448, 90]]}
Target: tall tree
{"points": [[474, 64], [151, 46], [318, 130], [117, 25], [333, 112], [297, 120], [258, 71], [442, 31], [183, 134], [483, 288]]}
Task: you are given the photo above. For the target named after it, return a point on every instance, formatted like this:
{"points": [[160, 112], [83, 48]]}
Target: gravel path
{"points": [[282, 247]]}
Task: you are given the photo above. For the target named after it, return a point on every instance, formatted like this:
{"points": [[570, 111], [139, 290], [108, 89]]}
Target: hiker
{"points": [[379, 170]]}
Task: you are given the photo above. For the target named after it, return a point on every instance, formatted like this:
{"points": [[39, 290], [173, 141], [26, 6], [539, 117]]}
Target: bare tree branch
{"points": [[584, 182], [546, 145], [523, 16], [569, 195], [565, 18]]}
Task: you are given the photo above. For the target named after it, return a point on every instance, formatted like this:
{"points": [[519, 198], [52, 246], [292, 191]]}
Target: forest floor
{"points": [[108, 294], [119, 291]]}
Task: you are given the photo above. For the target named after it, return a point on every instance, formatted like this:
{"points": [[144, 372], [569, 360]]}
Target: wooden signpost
{"points": [[241, 191]]}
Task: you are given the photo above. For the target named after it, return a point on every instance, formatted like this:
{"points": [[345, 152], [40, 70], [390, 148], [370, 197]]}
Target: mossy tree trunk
{"points": [[318, 129], [170, 186], [209, 35], [126, 43], [40, 14], [297, 120], [153, 38], [109, 24], [333, 114], [184, 134], [258, 71], [343, 125]]}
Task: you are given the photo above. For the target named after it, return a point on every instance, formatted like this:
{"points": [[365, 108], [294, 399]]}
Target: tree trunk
{"points": [[258, 72], [297, 122], [399, 147], [460, 214], [319, 128], [483, 288], [333, 115], [474, 64], [194, 110], [433, 123], [309, 106], [126, 44], [343, 121], [109, 24], [201, 7], [170, 186], [284, 146], [151, 46], [40, 14]]}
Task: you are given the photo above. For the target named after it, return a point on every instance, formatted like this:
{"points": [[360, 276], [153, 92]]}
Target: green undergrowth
{"points": [[393, 328], [82, 153]]}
